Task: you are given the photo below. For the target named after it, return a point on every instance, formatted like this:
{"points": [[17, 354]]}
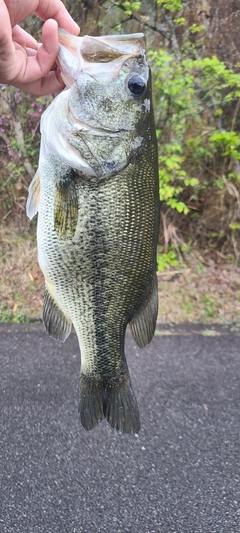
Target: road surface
{"points": [[181, 474]]}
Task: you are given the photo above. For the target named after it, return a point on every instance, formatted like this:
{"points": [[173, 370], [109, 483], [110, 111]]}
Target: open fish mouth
{"points": [[78, 54]]}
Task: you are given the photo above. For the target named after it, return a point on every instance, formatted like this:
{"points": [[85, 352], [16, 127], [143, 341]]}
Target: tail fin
{"points": [[90, 401], [120, 406], [113, 399]]}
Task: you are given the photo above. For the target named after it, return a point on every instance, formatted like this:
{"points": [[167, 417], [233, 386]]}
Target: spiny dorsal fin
{"points": [[54, 320], [144, 323], [33, 196]]}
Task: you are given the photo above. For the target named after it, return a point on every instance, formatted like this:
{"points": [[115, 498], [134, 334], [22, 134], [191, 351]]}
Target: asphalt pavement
{"points": [[181, 474]]}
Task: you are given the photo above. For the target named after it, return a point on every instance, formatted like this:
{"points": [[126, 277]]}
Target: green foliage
{"points": [[210, 305], [196, 103], [166, 260], [171, 5], [20, 140], [130, 7], [180, 21], [228, 143], [234, 226], [6, 317], [170, 170], [195, 28]]}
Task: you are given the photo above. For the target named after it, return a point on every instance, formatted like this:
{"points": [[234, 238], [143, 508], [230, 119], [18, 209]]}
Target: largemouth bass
{"points": [[96, 194]]}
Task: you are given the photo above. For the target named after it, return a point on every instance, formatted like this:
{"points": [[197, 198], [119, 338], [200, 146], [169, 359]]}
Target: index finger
{"points": [[55, 9]]}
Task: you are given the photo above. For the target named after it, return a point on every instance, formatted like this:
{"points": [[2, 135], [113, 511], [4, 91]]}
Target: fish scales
{"points": [[97, 243]]}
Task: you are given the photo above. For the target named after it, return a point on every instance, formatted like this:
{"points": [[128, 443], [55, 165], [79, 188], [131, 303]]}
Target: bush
{"points": [[197, 103], [19, 143]]}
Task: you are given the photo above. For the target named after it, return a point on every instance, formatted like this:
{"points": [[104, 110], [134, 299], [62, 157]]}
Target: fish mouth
{"points": [[104, 48], [98, 54]]}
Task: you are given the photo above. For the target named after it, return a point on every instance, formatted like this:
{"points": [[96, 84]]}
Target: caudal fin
{"points": [[113, 399], [120, 406], [90, 401]]}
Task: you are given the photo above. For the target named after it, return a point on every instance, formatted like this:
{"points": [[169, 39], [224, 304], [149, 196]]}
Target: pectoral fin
{"points": [[65, 208], [144, 323], [54, 320], [33, 196]]}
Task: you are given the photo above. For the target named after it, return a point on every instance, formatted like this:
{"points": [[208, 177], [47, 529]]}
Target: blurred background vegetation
{"points": [[194, 52]]}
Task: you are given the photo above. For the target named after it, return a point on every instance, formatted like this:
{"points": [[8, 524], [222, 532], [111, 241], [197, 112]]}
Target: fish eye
{"points": [[136, 85]]}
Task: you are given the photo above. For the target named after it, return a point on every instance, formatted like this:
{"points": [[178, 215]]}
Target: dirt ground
{"points": [[200, 295], [196, 294]]}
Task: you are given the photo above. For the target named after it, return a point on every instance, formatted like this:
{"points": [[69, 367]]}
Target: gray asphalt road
{"points": [[181, 474]]}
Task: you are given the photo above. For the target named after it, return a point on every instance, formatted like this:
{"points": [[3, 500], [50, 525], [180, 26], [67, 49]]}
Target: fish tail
{"points": [[91, 394], [113, 399], [120, 405]]}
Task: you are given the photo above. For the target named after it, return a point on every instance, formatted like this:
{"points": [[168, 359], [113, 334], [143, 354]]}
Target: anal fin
{"points": [[54, 320], [143, 324]]}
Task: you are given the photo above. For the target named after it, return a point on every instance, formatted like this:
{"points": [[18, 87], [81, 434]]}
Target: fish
{"points": [[96, 192]]}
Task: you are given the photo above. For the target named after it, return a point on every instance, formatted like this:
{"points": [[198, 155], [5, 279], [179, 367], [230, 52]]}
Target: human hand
{"points": [[25, 63]]}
